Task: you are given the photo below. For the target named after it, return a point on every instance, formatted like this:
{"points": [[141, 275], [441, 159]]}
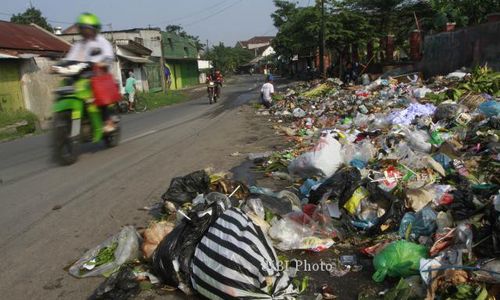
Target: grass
{"points": [[10, 118], [159, 99]]}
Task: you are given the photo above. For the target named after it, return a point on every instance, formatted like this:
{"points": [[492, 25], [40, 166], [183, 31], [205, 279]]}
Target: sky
{"points": [[217, 21]]}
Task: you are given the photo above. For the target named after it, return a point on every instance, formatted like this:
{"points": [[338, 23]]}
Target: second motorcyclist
{"points": [[218, 79]]}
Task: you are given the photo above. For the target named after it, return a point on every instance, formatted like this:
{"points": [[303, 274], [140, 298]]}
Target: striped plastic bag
{"points": [[236, 260]]}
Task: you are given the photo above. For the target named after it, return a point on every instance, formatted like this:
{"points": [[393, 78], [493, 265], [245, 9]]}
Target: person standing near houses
{"points": [[96, 49], [267, 92], [168, 77], [130, 90]]}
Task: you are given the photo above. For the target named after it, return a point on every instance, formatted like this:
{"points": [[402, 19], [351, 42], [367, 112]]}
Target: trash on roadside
{"points": [[107, 258]]}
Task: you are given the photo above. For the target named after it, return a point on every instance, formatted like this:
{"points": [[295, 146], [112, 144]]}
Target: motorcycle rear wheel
{"points": [[113, 138]]}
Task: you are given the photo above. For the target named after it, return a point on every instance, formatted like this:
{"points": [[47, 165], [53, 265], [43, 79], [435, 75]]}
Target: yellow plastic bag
{"points": [[353, 203]]}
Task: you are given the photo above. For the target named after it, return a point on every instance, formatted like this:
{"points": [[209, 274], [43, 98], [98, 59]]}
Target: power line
{"points": [[214, 14], [208, 8]]}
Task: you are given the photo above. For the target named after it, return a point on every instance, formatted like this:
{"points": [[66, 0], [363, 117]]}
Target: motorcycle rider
{"points": [[218, 79], [96, 49]]}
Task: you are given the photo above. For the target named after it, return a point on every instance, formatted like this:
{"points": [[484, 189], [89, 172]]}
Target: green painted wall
{"points": [[184, 73], [181, 56], [11, 97]]}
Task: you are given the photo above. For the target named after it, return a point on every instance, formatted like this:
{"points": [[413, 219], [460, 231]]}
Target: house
{"points": [[138, 50], [255, 42], [27, 52], [261, 46], [181, 59]]}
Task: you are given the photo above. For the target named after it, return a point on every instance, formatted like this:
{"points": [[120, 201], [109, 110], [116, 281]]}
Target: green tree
{"points": [[227, 59], [462, 12], [298, 29], [178, 30], [32, 15]]}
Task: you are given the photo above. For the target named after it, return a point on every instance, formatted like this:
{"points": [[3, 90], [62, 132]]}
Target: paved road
{"points": [[49, 215]]}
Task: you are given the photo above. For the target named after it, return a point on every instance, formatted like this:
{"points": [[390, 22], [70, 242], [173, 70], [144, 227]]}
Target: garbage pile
{"points": [[411, 168]]}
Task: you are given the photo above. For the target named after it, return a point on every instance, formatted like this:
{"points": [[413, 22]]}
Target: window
{"points": [[186, 51]]}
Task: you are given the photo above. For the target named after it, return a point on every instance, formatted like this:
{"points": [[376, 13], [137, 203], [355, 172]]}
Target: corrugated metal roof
{"points": [[27, 38], [257, 40]]}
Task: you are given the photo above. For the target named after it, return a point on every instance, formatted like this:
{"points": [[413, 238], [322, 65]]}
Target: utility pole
{"points": [[322, 41], [208, 48]]}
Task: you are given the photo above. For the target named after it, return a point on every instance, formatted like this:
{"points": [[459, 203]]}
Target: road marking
{"points": [[140, 136]]}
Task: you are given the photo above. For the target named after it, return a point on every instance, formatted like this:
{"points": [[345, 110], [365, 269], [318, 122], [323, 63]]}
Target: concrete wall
{"points": [[37, 85], [448, 51], [150, 38]]}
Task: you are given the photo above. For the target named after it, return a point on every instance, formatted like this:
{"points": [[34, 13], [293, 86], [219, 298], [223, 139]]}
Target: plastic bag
{"points": [[423, 223], [308, 231], [290, 234], [361, 120], [353, 203], [153, 236], [359, 154], [490, 108], [418, 140], [105, 89], [127, 248], [172, 258], [323, 161], [235, 260], [299, 112], [341, 186], [185, 189], [399, 259], [121, 285]]}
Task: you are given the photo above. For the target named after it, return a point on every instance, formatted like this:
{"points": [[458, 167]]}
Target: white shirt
{"points": [[82, 50], [267, 90]]}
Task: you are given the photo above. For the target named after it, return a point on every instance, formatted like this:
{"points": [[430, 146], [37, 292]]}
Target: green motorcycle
{"points": [[76, 119]]}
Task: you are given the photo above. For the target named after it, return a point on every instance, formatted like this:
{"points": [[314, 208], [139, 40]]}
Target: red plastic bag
{"points": [[105, 88]]}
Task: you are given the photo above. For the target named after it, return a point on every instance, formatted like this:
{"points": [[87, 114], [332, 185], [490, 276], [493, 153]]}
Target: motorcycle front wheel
{"points": [[65, 149]]}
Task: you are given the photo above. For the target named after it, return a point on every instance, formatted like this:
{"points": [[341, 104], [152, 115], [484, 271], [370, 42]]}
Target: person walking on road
{"points": [[130, 90], [267, 92]]}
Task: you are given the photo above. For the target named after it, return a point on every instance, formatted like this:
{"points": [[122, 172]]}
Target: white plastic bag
{"points": [[323, 161], [127, 249]]}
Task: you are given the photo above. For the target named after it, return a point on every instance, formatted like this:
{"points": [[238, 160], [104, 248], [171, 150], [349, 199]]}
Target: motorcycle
{"points": [[77, 120], [212, 94]]}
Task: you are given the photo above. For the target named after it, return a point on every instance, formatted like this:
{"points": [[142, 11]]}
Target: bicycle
{"points": [[140, 104]]}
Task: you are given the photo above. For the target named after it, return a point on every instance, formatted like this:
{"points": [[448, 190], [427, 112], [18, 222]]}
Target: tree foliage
{"points": [[355, 22], [32, 15], [178, 30], [462, 12], [227, 59]]}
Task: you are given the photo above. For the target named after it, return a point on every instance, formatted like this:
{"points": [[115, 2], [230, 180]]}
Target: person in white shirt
{"points": [[267, 92], [96, 49]]}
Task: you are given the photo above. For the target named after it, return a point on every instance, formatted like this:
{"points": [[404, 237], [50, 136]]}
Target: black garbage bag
{"points": [[341, 186], [122, 285], [184, 189], [394, 207], [462, 206], [172, 257], [486, 237]]}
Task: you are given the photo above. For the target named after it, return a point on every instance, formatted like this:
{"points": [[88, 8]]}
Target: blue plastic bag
{"points": [[490, 108]]}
